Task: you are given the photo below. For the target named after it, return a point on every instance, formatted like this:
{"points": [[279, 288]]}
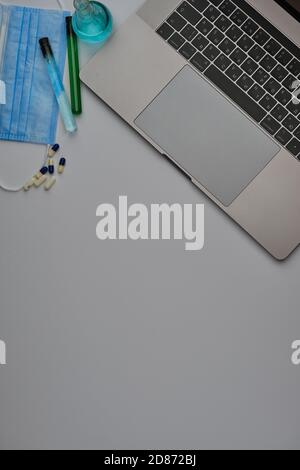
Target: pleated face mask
{"points": [[28, 109]]}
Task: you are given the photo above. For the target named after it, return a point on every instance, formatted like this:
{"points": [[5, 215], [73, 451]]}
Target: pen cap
{"points": [[46, 47], [69, 25]]}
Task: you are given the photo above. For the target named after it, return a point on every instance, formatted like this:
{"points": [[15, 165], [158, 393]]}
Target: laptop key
{"points": [[249, 66], [234, 72], [205, 26], [272, 47], [294, 147], [200, 62], [294, 108], [283, 136], [235, 93], [297, 133], [289, 83], [291, 123], [234, 33], [270, 125], [200, 5], [216, 2], [245, 43], [245, 82], [283, 96], [227, 46], [189, 32], [257, 53], [272, 86], [212, 13], [223, 23], [267, 102], [294, 67], [261, 77], [216, 36], [250, 27], [222, 62], [284, 57], [189, 13], [165, 31], [279, 73], [176, 21], [187, 50], [238, 17], [268, 63], [279, 112], [261, 37], [211, 52], [238, 56], [200, 42], [227, 7], [176, 41], [257, 92]]}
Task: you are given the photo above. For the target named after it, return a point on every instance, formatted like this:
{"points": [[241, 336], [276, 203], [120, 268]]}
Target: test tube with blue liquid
{"points": [[58, 87]]}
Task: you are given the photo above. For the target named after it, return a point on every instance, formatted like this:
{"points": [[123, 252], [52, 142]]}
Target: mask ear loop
{"points": [[61, 4], [17, 190]]}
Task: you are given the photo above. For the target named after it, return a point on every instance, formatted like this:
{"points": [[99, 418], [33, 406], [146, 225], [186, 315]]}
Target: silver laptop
{"points": [[213, 86]]}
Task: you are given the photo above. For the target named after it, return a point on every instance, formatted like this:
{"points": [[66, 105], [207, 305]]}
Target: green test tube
{"points": [[75, 86]]}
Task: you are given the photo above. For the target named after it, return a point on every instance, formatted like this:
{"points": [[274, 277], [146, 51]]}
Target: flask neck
{"points": [[83, 7]]}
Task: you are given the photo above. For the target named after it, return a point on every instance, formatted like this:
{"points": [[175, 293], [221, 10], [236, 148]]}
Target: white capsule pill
{"points": [[50, 183], [29, 184], [40, 181]]}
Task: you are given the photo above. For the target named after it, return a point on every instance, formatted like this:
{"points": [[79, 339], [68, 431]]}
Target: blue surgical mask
{"points": [[29, 111]]}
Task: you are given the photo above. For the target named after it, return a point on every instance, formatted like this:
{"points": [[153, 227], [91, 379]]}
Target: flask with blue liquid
{"points": [[92, 21]]}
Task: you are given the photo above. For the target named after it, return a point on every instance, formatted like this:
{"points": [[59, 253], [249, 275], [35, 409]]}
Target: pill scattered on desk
{"points": [[38, 182], [29, 184], [52, 150], [51, 166], [43, 171], [61, 165], [50, 183]]}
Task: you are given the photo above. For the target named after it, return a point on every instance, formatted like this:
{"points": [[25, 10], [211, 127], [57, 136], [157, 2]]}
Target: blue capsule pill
{"points": [[52, 150], [61, 166], [44, 170]]}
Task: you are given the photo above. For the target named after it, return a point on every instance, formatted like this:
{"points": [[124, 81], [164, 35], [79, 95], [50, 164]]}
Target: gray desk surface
{"points": [[137, 344]]}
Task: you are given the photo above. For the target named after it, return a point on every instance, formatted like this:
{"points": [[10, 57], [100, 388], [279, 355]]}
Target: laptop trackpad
{"points": [[208, 137]]}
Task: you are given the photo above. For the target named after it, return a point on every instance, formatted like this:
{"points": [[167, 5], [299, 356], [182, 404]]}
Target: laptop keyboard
{"points": [[244, 56]]}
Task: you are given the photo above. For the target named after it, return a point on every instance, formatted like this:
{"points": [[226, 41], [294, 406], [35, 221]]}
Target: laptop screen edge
{"points": [[291, 6]]}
